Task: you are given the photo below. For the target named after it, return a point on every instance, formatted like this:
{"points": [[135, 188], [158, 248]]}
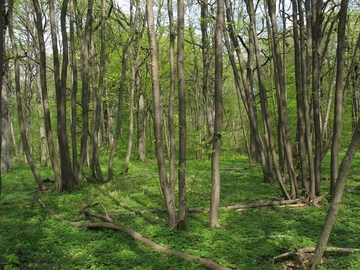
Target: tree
{"points": [[43, 77], [182, 219], [165, 185], [2, 30], [68, 179], [216, 140], [19, 103]]}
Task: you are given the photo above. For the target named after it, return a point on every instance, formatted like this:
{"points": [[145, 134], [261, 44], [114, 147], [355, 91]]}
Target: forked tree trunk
{"points": [[44, 92], [68, 179], [165, 185]]}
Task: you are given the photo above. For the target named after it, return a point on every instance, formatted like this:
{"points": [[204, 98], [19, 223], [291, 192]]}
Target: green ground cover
{"points": [[32, 238]]}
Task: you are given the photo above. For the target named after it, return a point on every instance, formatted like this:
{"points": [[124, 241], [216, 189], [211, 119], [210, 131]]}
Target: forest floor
{"points": [[33, 238]]}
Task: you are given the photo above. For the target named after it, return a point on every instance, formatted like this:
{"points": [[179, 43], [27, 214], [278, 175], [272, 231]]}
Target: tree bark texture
{"points": [[216, 141], [159, 150], [182, 217]]}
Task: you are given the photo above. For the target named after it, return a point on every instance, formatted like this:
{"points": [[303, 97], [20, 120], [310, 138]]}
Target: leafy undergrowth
{"points": [[31, 238]]}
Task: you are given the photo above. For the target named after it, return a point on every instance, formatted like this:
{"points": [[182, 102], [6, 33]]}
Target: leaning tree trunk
{"points": [[336, 198], [19, 104], [280, 81], [165, 185]]}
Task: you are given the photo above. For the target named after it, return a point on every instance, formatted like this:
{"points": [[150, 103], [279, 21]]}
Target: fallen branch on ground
{"points": [[302, 255], [146, 241], [238, 207]]}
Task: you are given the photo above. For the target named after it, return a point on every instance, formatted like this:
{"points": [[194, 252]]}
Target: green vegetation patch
{"points": [[32, 238]]}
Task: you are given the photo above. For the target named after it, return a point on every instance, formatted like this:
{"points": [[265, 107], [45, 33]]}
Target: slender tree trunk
{"points": [[171, 124], [300, 104], [339, 96], [68, 179], [24, 140], [2, 43], [317, 18], [205, 42], [165, 185], [4, 121], [85, 43], [247, 93], [141, 126], [74, 90], [134, 24], [43, 150], [215, 156], [182, 217], [43, 76], [336, 198], [264, 105], [281, 93], [134, 66]]}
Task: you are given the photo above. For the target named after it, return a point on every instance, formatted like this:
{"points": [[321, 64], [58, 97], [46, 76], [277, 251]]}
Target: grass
{"points": [[31, 238]]}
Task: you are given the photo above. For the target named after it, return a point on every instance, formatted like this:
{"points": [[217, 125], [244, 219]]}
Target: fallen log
{"points": [[304, 250], [146, 241], [302, 256], [238, 207]]}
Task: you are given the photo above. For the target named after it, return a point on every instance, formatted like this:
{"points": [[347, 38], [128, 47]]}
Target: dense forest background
{"points": [[90, 86]]}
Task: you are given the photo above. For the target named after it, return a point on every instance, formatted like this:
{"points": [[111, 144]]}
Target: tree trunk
{"points": [[264, 104], [2, 43], [339, 96], [68, 179], [97, 103], [141, 124], [336, 197], [281, 93], [205, 42], [4, 121], [74, 90], [19, 104], [85, 91], [300, 132], [171, 124], [216, 141], [182, 217], [43, 76], [165, 186]]}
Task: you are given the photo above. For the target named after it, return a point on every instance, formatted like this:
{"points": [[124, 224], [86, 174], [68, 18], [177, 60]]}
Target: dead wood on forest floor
{"points": [[146, 241], [238, 207], [302, 256]]}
